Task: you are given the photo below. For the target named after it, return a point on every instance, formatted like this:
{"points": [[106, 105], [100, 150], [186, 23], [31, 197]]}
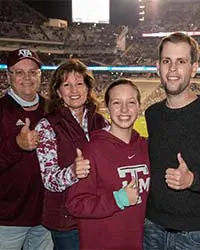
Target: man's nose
{"points": [[173, 66]]}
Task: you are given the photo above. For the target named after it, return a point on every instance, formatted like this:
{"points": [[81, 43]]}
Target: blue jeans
{"points": [[65, 240], [26, 238], [157, 237]]}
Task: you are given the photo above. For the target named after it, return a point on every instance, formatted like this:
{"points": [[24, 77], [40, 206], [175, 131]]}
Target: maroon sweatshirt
{"points": [[113, 163], [21, 188]]}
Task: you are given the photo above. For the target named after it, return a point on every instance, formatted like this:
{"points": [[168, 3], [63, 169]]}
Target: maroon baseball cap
{"points": [[20, 54]]}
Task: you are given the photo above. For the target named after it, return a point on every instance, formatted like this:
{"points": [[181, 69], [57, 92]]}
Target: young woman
{"points": [[72, 116], [110, 203]]}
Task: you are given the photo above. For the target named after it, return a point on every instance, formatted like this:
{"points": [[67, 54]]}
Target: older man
{"points": [[21, 188]]}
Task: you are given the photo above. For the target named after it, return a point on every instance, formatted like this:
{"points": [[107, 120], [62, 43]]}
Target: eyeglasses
{"points": [[19, 73]]}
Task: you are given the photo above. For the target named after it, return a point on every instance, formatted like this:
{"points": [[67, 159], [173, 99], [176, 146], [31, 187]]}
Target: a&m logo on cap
{"points": [[24, 53]]}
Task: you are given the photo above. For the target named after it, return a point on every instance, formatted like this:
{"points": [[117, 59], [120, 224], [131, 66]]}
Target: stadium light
{"points": [[142, 12], [134, 69]]}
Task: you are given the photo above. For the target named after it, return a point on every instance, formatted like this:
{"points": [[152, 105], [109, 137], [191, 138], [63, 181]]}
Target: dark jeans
{"points": [[157, 237], [65, 240]]}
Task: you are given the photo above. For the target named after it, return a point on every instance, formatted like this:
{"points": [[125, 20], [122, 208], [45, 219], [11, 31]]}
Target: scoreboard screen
{"points": [[91, 11]]}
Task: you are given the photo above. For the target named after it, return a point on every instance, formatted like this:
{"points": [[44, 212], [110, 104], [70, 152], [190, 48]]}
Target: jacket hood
{"points": [[107, 137]]}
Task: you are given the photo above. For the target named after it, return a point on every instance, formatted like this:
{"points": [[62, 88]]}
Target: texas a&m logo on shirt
{"points": [[138, 172]]}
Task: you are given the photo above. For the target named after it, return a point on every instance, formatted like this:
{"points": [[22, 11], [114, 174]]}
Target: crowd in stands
{"points": [[94, 44], [99, 41], [182, 15], [24, 31], [17, 12]]}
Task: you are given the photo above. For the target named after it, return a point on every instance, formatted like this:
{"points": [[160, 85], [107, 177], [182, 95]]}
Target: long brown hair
{"points": [[71, 65]]}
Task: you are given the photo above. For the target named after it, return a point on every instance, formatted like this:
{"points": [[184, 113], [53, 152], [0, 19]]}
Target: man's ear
{"points": [[8, 77], [195, 66], [158, 68]]}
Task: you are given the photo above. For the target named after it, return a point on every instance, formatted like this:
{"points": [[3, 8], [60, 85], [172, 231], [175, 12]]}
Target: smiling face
{"points": [[25, 78], [73, 90], [123, 107], [175, 68]]}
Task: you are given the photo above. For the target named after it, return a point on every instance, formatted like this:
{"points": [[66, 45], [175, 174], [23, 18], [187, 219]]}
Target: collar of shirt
{"points": [[84, 124]]}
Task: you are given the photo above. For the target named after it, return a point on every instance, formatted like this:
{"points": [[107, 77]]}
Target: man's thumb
{"points": [[26, 126], [180, 159]]}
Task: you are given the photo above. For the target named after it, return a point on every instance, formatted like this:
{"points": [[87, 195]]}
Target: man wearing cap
{"points": [[21, 187]]}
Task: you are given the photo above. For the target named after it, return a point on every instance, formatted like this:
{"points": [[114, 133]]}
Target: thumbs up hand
{"points": [[81, 165], [27, 139], [132, 192], [179, 178]]}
